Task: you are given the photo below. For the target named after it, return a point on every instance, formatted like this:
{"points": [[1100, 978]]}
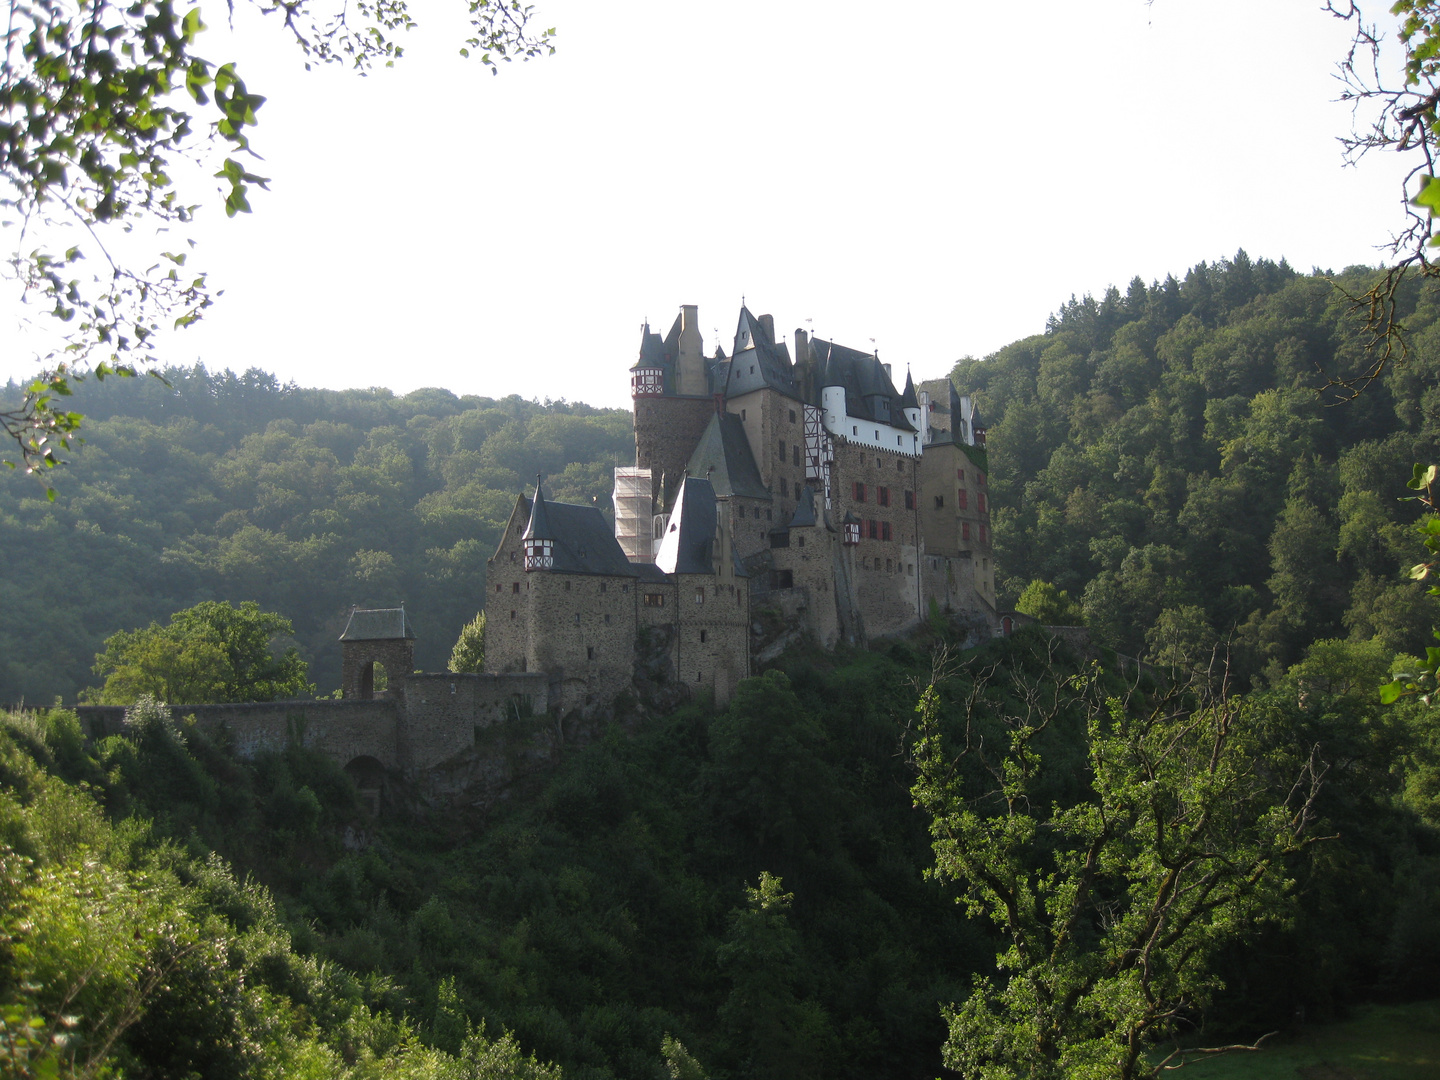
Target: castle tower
{"points": [[539, 538], [376, 636]]}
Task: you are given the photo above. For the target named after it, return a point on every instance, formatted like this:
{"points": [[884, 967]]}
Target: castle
{"points": [[806, 490], [807, 486]]}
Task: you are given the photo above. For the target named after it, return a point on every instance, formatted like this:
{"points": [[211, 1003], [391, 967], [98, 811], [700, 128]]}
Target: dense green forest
{"points": [[235, 487], [743, 892], [1166, 456]]}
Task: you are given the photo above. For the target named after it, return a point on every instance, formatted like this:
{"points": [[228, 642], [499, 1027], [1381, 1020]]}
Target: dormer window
{"points": [[539, 555]]}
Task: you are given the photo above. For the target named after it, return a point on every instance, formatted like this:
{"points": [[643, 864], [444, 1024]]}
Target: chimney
{"points": [[690, 361], [768, 322]]}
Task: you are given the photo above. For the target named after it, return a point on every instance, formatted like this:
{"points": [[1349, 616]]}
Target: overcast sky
{"points": [[935, 177]]}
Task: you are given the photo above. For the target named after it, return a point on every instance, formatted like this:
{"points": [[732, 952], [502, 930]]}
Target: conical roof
{"points": [[539, 526], [908, 400]]}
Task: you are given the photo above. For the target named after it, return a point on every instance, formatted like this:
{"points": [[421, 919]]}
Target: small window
{"points": [[889, 566], [654, 599], [767, 515], [624, 588], [899, 465], [567, 586], [795, 455], [752, 369], [602, 586], [512, 556], [910, 569], [960, 475], [885, 530], [874, 529], [700, 595], [702, 637], [980, 501], [983, 538], [980, 478], [497, 587], [899, 441], [964, 530], [742, 416], [607, 618], [792, 416], [577, 618], [877, 435], [909, 500], [853, 431], [782, 579], [782, 449], [699, 677], [939, 502], [859, 492], [780, 539], [512, 614], [800, 541], [882, 496], [740, 510], [962, 499], [514, 586], [589, 652], [784, 487]]}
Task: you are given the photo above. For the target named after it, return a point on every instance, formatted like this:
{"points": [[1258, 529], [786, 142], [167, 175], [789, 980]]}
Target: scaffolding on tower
{"points": [[634, 513]]}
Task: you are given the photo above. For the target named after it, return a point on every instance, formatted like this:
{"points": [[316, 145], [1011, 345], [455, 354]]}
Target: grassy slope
{"points": [[1381, 1042]]}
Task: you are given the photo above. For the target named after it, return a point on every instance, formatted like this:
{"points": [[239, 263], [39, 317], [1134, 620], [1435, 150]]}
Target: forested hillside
{"points": [[308, 501], [1164, 455], [752, 882]]}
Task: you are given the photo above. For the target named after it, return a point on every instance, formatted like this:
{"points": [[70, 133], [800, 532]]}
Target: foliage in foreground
{"points": [[1115, 905], [748, 882], [123, 953]]}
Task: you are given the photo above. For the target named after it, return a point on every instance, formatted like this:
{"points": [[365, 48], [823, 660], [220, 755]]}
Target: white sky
{"points": [[936, 176]]}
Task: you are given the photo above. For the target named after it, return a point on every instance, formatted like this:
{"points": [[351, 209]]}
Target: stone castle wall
{"points": [[667, 430], [581, 631], [444, 711], [885, 574], [344, 730]]}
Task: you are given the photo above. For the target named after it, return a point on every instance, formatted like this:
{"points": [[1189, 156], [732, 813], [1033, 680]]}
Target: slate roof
{"points": [[864, 379], [689, 542], [583, 542], [723, 457], [805, 515], [908, 400], [757, 361], [658, 352], [377, 624]]}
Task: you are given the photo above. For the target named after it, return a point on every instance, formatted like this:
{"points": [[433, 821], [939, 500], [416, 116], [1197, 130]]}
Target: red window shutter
{"points": [[964, 530], [964, 499], [980, 499], [983, 539]]}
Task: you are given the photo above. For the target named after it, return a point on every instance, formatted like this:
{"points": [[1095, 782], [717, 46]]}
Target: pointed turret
{"points": [[648, 375], [539, 538], [910, 406]]}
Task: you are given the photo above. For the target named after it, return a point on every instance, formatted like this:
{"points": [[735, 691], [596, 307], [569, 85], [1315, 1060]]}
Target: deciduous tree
{"points": [[1113, 903], [209, 653]]}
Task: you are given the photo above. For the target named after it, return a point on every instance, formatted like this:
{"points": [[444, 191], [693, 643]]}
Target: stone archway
{"points": [[371, 781]]}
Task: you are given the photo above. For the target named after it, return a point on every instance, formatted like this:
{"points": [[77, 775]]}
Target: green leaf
{"points": [[1391, 692]]}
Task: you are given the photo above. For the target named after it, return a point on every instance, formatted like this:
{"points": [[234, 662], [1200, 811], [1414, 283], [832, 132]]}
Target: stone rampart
{"points": [[444, 712], [343, 730]]}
